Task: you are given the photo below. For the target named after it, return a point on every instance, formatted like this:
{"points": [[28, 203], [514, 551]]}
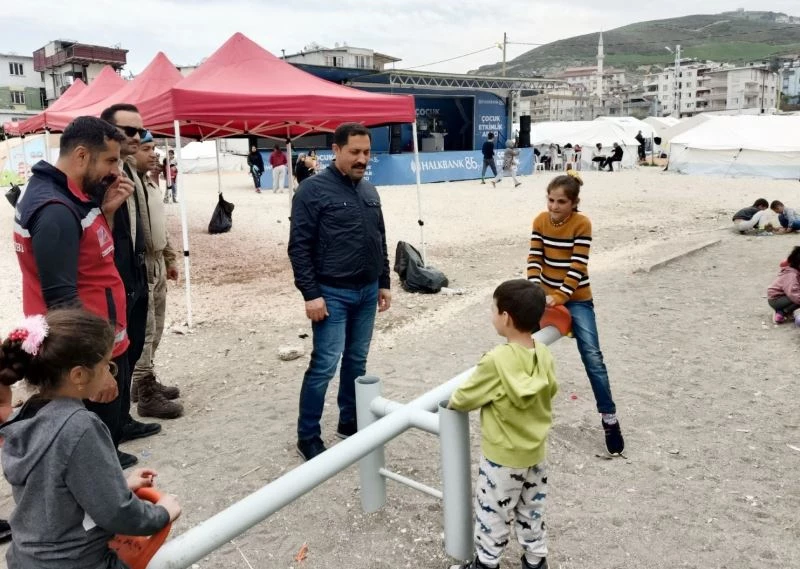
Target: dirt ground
{"points": [[706, 386]]}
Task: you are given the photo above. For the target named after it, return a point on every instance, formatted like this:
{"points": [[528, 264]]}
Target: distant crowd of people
{"points": [[305, 166]]}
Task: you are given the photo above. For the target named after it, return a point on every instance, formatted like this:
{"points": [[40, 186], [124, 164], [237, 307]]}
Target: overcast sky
{"points": [[417, 31]]}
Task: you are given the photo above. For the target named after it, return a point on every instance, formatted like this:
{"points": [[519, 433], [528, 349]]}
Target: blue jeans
{"points": [[784, 221], [584, 328], [344, 334]]}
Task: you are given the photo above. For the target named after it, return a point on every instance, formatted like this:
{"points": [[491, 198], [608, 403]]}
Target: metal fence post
{"points": [[373, 485], [456, 482]]}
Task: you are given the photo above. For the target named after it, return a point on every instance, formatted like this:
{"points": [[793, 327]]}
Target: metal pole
{"points": [[289, 166], [24, 159], [456, 482], [219, 173], [167, 170], [505, 43], [184, 224], [373, 485], [46, 145], [418, 172]]}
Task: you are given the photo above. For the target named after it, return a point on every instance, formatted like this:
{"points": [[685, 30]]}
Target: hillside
{"points": [[734, 37]]}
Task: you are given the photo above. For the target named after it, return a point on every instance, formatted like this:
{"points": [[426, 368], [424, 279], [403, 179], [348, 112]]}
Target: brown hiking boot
{"points": [[152, 402], [168, 391]]}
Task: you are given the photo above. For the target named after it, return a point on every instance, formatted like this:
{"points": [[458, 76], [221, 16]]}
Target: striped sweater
{"points": [[559, 256]]}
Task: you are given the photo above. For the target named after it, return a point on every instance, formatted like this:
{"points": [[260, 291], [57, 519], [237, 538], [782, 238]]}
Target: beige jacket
{"points": [[158, 239]]}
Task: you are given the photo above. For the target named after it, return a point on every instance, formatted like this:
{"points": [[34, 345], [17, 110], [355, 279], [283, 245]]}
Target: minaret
{"points": [[600, 57]]}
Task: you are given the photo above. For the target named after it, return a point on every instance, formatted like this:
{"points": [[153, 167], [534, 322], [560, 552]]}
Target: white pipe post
{"points": [[289, 168], [46, 145], [418, 172], [219, 173], [167, 169], [9, 163], [184, 224], [24, 160], [456, 482], [373, 485]]}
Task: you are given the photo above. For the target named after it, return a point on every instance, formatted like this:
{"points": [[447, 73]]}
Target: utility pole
{"points": [[677, 81], [505, 43]]}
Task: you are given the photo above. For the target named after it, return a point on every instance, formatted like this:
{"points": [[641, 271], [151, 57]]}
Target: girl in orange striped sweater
{"points": [[558, 261]]}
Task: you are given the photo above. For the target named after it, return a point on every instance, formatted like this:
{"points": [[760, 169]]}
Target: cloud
{"points": [[418, 31]]}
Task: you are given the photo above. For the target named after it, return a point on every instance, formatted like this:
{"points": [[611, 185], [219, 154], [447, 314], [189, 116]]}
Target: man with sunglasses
{"points": [[130, 230]]}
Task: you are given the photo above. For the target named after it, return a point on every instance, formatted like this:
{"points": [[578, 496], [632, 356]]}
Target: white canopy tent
{"points": [[631, 126], [661, 124], [684, 125], [587, 134], [744, 145]]}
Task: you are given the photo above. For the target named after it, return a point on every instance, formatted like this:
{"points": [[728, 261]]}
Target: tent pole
{"points": [[184, 225], [419, 193], [167, 171], [289, 163], [46, 145], [24, 160], [9, 164], [219, 172]]}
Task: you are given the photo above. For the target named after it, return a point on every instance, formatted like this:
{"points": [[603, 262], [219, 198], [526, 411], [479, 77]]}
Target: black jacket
{"points": [[255, 159], [488, 150], [129, 256], [337, 236]]}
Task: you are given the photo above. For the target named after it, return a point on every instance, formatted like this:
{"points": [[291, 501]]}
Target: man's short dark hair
{"points": [[761, 202], [110, 114], [491, 135], [348, 129], [90, 132], [774, 204], [524, 302]]}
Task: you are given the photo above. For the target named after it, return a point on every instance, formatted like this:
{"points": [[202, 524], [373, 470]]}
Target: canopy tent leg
{"points": [[289, 163], [419, 193], [47, 145], [184, 224], [25, 160], [219, 171]]}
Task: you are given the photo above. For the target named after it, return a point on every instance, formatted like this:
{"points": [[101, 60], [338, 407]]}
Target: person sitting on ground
{"points": [[70, 493], [783, 295], [513, 386], [787, 217], [749, 217], [616, 156]]}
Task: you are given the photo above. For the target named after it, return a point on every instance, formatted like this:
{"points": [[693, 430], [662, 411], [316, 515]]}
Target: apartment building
{"points": [[21, 88]]}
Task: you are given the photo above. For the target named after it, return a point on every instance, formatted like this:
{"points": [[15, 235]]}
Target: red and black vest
{"points": [[100, 287]]}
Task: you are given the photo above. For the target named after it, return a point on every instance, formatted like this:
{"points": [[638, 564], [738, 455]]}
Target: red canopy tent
{"points": [[155, 80], [104, 85], [37, 123], [244, 89]]}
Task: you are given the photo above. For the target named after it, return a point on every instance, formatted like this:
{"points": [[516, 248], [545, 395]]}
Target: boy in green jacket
{"points": [[513, 385]]}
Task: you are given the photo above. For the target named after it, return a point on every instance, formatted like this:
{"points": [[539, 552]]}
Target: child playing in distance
{"points": [[513, 386], [787, 217], [783, 295], [748, 218], [70, 493], [558, 261]]}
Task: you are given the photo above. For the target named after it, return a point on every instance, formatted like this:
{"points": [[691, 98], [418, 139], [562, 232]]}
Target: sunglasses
{"points": [[131, 131]]}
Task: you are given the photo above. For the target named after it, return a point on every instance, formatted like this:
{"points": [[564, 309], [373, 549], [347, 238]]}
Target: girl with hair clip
{"points": [[558, 261], [70, 493]]}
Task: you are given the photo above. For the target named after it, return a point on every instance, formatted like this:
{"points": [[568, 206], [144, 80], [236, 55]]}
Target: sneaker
{"points": [[780, 318], [5, 531], [126, 460], [345, 430], [494, 184], [518, 184], [541, 565], [134, 429], [615, 444], [474, 564], [310, 448]]}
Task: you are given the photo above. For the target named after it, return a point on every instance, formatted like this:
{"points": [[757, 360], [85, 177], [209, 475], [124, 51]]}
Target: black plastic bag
{"points": [[414, 275], [12, 195], [222, 218]]}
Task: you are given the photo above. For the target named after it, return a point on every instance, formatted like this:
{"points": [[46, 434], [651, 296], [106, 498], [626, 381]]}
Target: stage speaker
{"points": [[525, 131], [395, 139]]}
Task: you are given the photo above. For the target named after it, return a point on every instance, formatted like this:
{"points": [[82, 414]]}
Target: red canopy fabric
{"points": [[37, 123], [103, 85], [153, 81], [244, 89]]}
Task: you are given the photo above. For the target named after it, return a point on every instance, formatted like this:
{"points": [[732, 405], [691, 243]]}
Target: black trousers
{"points": [[115, 413]]}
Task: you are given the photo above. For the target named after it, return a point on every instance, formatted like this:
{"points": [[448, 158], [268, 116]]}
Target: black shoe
{"points": [[5, 531], [474, 564], [134, 429], [541, 565], [126, 460], [615, 444], [345, 430], [310, 448]]}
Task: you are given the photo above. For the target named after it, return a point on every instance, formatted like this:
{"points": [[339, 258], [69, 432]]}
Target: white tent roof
{"points": [[585, 133], [631, 125], [684, 125], [747, 132], [661, 124]]}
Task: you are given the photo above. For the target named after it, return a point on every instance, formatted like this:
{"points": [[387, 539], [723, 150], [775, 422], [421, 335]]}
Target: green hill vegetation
{"points": [[731, 37]]}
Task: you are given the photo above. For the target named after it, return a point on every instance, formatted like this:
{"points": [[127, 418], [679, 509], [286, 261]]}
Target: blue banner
{"points": [[490, 116], [400, 169]]}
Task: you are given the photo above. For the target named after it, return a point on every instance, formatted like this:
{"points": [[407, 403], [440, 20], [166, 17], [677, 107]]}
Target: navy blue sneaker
{"points": [[310, 448], [615, 444], [345, 430]]}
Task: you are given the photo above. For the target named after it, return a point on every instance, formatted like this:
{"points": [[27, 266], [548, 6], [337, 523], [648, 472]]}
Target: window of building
{"points": [[16, 69], [17, 97]]}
